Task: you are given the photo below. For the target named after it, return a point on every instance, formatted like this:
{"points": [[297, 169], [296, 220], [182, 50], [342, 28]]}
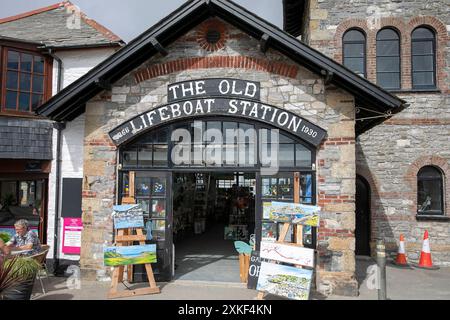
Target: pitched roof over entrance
{"points": [[70, 102], [50, 27]]}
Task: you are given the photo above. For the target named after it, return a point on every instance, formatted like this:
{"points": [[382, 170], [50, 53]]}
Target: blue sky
{"points": [[129, 18]]}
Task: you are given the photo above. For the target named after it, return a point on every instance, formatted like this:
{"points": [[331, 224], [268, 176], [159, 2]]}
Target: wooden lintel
{"points": [[264, 42], [158, 46]]}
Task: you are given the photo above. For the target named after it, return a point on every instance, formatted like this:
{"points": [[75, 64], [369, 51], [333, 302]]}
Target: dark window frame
{"points": [[23, 48], [413, 40], [439, 180], [344, 43], [389, 56]]}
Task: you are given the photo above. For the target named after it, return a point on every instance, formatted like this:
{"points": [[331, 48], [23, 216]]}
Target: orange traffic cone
{"points": [[425, 255], [401, 255]]}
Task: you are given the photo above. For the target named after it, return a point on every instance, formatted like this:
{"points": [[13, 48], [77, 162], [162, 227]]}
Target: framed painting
{"points": [[122, 256], [294, 213]]}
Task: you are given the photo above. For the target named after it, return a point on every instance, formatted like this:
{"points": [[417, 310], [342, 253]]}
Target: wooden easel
{"points": [[125, 237], [298, 229]]}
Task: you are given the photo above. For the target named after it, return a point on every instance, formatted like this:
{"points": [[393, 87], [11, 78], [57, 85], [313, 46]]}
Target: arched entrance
{"points": [[362, 232], [202, 184]]}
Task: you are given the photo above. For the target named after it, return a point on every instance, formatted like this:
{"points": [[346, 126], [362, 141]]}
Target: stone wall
{"points": [[390, 155], [283, 84]]}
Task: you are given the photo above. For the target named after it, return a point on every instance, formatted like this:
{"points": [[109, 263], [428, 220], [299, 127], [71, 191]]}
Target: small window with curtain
{"points": [[388, 59], [423, 51], [430, 193], [354, 51], [24, 81]]}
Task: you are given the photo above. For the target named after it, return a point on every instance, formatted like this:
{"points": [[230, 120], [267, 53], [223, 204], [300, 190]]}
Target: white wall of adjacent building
{"points": [[76, 63]]}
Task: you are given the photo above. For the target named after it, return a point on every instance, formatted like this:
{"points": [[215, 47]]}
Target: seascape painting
{"points": [[294, 213], [122, 256], [128, 216], [284, 281]]}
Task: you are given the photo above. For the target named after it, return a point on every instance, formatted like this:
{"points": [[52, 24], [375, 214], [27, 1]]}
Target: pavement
{"points": [[402, 284]]}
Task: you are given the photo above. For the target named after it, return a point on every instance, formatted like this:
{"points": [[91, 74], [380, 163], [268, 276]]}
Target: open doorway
{"points": [[362, 232], [210, 212]]}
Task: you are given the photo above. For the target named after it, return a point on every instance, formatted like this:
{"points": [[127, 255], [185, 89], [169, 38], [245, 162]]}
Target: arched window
{"points": [[430, 195], [388, 59], [354, 51], [423, 53]]}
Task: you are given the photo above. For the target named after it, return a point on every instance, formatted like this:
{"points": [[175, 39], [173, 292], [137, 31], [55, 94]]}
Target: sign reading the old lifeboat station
{"points": [[217, 97]]}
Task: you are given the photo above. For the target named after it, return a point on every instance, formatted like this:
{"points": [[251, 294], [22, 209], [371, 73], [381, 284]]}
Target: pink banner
{"points": [[72, 228]]}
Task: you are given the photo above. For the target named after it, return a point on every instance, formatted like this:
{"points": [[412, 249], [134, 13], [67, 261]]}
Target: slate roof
{"points": [[49, 25], [70, 102]]}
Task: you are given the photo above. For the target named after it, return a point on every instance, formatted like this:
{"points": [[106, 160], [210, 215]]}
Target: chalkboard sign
{"points": [[253, 271]]}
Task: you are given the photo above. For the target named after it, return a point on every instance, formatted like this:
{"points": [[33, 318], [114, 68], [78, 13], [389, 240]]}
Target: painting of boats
{"points": [[122, 256], [284, 281], [294, 213]]}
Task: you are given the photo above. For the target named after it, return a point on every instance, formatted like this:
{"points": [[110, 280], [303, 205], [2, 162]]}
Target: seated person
{"points": [[24, 239], [4, 249]]}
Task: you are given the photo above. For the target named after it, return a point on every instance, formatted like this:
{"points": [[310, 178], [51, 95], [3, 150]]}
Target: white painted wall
{"points": [[76, 63]]}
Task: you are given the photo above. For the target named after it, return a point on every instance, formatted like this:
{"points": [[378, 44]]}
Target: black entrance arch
{"points": [[362, 232]]}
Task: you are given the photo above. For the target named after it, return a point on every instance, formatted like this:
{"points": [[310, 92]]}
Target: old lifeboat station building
{"points": [[214, 65]]}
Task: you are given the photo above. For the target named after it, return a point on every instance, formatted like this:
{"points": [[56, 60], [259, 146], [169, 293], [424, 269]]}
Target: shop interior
{"points": [[210, 212]]}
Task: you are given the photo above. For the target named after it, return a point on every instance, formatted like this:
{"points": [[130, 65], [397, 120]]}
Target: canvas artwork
{"points": [[128, 216], [284, 281], [295, 213], [287, 253], [122, 256], [269, 231]]}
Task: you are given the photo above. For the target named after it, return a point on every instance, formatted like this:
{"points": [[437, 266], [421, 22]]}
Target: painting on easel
{"points": [[128, 216], [294, 213], [287, 253], [284, 281], [122, 256]]}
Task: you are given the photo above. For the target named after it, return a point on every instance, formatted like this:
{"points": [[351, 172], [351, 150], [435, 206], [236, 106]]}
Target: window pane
{"points": [[269, 187], [160, 136], [159, 208], [13, 60], [38, 83], [25, 82], [286, 188], [286, 155], [159, 228], [11, 100], [422, 47], [422, 33], [306, 188], [26, 61], [422, 63], [159, 155], [354, 35], [423, 79], [145, 156], [430, 173], [387, 34], [354, 50], [303, 156], [24, 101], [142, 186], [145, 205], [11, 80], [159, 187], [38, 66], [355, 64], [36, 101], [429, 196], [388, 48], [388, 80], [388, 64], [130, 157]]}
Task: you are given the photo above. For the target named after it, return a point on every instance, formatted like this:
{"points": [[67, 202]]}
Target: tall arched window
{"points": [[430, 193], [388, 59], [354, 51], [423, 51]]}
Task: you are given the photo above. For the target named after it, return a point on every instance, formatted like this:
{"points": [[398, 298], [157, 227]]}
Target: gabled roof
{"points": [[70, 102], [50, 27]]}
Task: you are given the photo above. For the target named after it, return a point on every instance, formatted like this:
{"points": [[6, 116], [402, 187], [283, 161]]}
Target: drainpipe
{"points": [[59, 126]]}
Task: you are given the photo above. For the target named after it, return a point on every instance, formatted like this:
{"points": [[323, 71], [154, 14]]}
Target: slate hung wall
{"points": [[284, 84]]}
